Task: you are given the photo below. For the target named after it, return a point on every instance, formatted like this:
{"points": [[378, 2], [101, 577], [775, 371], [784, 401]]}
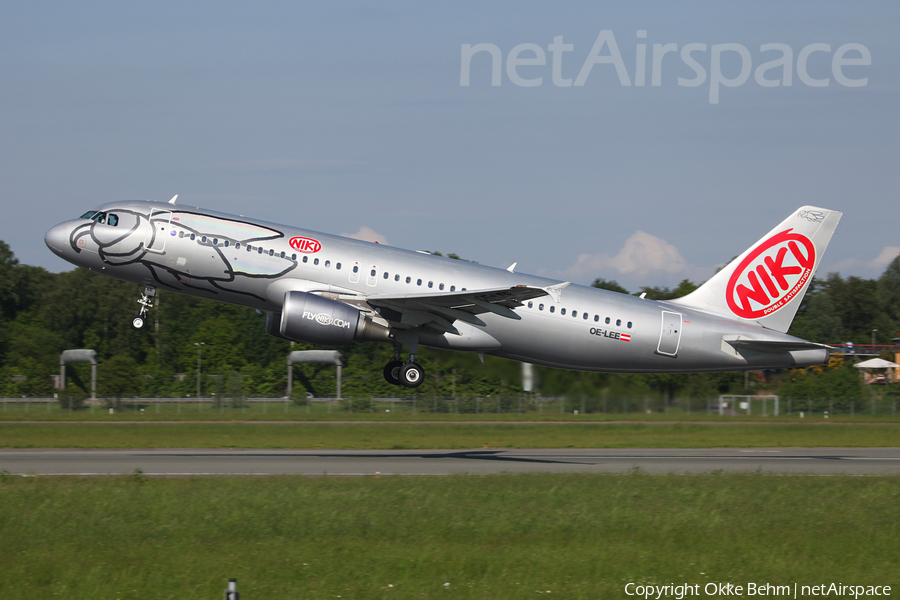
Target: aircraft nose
{"points": [[57, 239]]}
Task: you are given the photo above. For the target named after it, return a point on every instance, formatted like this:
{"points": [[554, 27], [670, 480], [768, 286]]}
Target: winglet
{"points": [[556, 291], [174, 198], [511, 268]]}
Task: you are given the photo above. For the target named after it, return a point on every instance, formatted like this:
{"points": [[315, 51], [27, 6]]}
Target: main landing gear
{"points": [[408, 374], [146, 303]]}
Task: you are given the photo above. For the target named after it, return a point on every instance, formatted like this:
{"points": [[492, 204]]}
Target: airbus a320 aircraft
{"points": [[325, 289]]}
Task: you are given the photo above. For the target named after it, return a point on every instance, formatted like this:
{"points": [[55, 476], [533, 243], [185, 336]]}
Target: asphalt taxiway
{"points": [[220, 462]]}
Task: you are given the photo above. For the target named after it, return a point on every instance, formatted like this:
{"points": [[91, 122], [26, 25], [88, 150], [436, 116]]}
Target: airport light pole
{"points": [[199, 350], [874, 331]]}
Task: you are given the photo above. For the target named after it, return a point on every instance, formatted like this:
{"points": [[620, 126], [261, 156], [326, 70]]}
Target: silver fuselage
{"points": [[588, 329]]}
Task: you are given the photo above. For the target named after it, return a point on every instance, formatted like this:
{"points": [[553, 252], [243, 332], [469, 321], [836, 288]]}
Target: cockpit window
{"points": [[101, 217]]}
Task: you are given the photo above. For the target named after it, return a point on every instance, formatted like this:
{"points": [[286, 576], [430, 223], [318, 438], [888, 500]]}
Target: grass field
{"points": [[513, 536], [443, 435], [422, 409]]}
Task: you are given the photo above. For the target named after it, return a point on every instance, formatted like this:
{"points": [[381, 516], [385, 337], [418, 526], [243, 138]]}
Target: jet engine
{"points": [[312, 319]]}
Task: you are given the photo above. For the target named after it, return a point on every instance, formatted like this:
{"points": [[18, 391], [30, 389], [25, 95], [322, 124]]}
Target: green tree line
{"points": [[43, 313]]}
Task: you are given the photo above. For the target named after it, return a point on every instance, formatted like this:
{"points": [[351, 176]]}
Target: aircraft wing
{"points": [[439, 311]]}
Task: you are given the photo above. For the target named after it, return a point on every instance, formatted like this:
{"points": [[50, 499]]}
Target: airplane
{"points": [[326, 289]]}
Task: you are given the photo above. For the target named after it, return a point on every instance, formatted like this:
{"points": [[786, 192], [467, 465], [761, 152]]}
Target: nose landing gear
{"points": [[146, 303]]}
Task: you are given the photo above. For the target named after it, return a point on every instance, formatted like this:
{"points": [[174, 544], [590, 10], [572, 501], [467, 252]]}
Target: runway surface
{"points": [[197, 462]]}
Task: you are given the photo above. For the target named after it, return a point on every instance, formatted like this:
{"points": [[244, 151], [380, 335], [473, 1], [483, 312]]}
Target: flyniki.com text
{"points": [[681, 591], [524, 60]]}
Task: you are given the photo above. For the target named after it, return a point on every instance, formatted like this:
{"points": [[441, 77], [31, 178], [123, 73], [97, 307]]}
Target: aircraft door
{"points": [[372, 278], [158, 231], [670, 334]]}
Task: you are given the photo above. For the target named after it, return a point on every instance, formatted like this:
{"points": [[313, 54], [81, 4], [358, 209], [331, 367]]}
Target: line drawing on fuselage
{"points": [[217, 273], [326, 289]]}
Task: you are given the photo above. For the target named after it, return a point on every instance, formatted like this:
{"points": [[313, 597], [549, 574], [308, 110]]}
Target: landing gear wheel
{"points": [[412, 375], [392, 372], [146, 303]]}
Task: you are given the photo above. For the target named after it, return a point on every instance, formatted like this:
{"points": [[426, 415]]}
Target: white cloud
{"points": [[367, 234], [642, 256], [885, 258], [866, 268]]}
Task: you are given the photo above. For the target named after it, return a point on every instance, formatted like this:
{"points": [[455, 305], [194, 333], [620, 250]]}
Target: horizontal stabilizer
{"points": [[738, 341]]}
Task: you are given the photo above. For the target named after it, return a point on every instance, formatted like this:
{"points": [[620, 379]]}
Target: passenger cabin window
{"points": [[338, 266], [540, 307], [272, 252], [315, 261], [552, 309], [203, 239], [430, 284], [194, 236], [562, 311], [440, 287], [386, 275], [397, 277], [327, 263], [294, 256], [418, 282], [305, 258], [607, 320], [408, 279]]}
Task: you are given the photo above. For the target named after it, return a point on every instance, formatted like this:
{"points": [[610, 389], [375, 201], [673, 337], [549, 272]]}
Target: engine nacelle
{"points": [[313, 319]]}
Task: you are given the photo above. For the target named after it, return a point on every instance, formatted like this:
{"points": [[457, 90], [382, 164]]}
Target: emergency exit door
{"points": [[670, 334], [158, 231]]}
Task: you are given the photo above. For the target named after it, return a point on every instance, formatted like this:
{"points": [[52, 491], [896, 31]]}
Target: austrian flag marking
{"points": [[771, 276], [625, 337]]}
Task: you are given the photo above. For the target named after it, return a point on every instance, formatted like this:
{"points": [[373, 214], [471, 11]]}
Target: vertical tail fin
{"points": [[766, 283]]}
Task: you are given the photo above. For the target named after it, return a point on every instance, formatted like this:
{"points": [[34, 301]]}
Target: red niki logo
{"points": [[771, 276], [305, 245]]}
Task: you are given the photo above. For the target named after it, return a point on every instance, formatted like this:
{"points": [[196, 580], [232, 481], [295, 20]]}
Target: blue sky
{"points": [[342, 117]]}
